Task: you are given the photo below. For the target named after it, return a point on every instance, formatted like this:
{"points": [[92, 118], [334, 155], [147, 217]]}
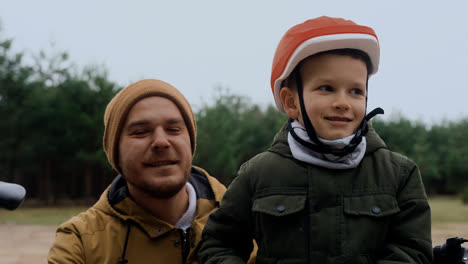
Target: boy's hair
{"points": [[290, 81]]}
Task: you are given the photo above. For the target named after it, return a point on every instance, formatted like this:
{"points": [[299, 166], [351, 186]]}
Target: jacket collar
{"points": [[374, 141], [200, 182]]}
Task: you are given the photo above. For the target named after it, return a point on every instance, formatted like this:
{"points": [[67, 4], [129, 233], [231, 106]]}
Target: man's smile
{"points": [[161, 163]]}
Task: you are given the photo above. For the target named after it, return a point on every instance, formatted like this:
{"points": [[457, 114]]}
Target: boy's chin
{"points": [[335, 136]]}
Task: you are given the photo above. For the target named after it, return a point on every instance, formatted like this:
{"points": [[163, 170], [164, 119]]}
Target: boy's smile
{"points": [[334, 88], [338, 119]]}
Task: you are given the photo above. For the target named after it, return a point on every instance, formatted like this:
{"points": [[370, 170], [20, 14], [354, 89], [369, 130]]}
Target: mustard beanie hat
{"points": [[118, 108]]}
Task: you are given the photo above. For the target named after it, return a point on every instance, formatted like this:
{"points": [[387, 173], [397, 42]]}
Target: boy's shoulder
{"points": [[393, 164], [374, 141], [377, 146], [270, 163], [267, 157]]}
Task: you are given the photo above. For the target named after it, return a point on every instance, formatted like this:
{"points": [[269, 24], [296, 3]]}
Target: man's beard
{"points": [[164, 191]]}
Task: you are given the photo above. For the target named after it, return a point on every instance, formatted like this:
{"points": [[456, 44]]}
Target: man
{"points": [[155, 210]]}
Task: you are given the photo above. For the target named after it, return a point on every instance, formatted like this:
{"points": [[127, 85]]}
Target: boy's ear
{"points": [[290, 102]]}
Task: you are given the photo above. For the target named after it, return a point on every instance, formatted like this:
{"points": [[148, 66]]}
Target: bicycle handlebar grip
{"points": [[11, 195]]}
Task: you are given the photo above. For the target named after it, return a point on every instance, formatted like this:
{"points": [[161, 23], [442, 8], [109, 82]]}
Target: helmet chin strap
{"points": [[317, 145]]}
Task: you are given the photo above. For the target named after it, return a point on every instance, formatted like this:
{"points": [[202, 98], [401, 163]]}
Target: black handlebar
{"points": [[451, 252], [11, 195]]}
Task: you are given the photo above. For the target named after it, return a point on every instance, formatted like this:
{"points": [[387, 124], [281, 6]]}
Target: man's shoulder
{"points": [[81, 222], [87, 222]]}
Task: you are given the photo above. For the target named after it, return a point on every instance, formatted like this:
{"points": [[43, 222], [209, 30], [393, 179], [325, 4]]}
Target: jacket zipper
{"points": [[185, 244]]}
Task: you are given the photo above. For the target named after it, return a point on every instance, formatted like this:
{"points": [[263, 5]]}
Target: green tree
{"points": [[456, 163], [51, 129], [440, 151], [15, 89], [69, 141], [231, 131]]}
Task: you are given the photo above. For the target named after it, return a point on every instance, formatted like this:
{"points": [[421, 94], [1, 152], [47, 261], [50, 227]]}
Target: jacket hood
{"points": [[118, 189]]}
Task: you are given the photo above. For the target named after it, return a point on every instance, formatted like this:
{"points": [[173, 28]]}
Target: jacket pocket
{"points": [[279, 205], [280, 222], [367, 221], [378, 205]]}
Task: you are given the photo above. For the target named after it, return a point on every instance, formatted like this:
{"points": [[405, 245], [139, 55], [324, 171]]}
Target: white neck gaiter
{"points": [[186, 220], [330, 161]]}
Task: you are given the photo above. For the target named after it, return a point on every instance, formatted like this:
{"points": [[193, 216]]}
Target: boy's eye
{"points": [[357, 91]]}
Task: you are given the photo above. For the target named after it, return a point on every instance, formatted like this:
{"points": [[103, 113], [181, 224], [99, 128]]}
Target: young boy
{"points": [[328, 190]]}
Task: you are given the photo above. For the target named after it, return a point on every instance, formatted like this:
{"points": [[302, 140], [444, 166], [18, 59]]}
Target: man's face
{"points": [[155, 154], [334, 94]]}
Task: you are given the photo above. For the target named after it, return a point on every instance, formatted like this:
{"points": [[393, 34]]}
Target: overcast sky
{"points": [[199, 45]]}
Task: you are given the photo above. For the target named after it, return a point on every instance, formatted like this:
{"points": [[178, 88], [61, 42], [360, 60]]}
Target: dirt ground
{"points": [[21, 244], [440, 232], [25, 244]]}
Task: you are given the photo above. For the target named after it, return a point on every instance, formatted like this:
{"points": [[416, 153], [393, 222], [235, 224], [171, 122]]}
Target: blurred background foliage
{"points": [[52, 125]]}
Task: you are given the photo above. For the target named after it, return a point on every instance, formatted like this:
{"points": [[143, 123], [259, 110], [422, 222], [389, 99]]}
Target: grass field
{"points": [[51, 216], [448, 209], [449, 219]]}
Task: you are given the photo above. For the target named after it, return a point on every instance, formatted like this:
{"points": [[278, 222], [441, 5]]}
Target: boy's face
{"points": [[334, 89]]}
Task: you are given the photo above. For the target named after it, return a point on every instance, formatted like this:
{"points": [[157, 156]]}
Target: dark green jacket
{"points": [[302, 213]]}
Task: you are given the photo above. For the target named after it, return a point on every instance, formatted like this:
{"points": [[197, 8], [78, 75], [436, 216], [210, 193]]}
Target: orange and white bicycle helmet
{"points": [[317, 35]]}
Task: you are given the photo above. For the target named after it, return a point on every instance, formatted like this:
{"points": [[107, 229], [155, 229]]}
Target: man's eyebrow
{"points": [[144, 122], [175, 121], [137, 123]]}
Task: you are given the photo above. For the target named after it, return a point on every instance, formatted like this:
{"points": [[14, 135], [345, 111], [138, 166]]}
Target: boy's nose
{"points": [[160, 140], [341, 102]]}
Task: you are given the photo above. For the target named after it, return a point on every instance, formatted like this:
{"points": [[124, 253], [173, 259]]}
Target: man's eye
{"points": [[139, 132], [174, 129], [325, 88]]}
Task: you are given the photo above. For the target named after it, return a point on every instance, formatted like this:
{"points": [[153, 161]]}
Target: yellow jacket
{"points": [[99, 235]]}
